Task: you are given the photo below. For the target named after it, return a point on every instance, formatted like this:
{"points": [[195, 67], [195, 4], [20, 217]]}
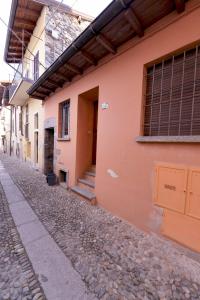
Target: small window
{"points": [[64, 119], [27, 123], [36, 65], [21, 121], [36, 121], [172, 104]]}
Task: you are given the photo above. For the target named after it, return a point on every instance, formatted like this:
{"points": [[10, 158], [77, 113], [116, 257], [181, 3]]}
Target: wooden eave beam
{"points": [[88, 57], [26, 38], [62, 76], [134, 22], [33, 12], [45, 89], [10, 52], [73, 68], [180, 6], [56, 84], [37, 95], [40, 94], [24, 21], [106, 43]]}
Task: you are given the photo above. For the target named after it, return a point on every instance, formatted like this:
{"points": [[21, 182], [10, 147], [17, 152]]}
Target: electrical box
{"points": [[170, 187], [193, 194]]}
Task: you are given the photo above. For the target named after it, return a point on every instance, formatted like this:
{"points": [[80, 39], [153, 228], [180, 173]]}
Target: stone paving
{"points": [[17, 278], [115, 260]]}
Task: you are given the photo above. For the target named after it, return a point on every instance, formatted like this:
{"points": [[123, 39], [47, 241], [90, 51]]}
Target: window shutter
{"points": [[172, 106]]}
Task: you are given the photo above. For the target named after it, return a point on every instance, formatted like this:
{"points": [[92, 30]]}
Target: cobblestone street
{"points": [[115, 260], [17, 279]]}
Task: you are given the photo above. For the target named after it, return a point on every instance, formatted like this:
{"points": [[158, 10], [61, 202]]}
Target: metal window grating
{"points": [[172, 106]]}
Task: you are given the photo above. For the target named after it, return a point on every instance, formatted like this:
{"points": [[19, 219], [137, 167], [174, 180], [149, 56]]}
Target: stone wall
{"points": [[62, 28]]}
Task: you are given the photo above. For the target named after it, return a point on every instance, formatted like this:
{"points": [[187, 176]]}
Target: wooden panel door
{"points": [[171, 184], [193, 194]]}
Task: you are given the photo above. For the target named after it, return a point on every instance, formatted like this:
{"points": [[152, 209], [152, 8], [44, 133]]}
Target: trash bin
{"points": [[51, 179]]}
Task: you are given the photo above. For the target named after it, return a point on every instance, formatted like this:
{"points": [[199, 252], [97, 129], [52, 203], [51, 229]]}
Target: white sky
{"points": [[90, 7]]}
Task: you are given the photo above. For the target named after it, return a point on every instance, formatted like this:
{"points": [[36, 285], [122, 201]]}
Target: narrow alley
{"points": [[103, 257]]}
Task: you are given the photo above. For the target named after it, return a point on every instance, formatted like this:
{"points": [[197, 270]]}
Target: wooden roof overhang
{"points": [[24, 15], [23, 18], [121, 21]]}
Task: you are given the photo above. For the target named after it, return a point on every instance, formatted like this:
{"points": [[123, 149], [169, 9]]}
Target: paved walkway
{"points": [[55, 273]]}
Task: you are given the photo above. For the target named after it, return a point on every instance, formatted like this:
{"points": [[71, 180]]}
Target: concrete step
{"points": [[90, 176], [92, 168], [84, 193], [87, 182], [85, 186], [90, 173]]}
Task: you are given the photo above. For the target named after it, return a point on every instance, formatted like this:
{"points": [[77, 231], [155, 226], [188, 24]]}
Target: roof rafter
{"points": [[73, 68], [55, 83], [134, 21], [62, 76], [33, 12], [45, 89], [106, 43], [41, 94], [24, 21], [88, 57], [180, 6]]}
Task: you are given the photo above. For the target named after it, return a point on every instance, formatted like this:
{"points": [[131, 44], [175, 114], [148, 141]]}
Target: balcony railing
{"points": [[22, 73]]}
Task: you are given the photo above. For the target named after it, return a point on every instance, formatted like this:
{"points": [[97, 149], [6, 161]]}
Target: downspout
{"points": [[10, 129]]}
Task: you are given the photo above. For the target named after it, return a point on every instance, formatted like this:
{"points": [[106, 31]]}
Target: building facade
{"points": [[125, 128], [43, 29], [5, 117]]}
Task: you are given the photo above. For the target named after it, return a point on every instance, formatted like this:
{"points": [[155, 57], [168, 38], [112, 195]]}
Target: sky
{"points": [[90, 7]]}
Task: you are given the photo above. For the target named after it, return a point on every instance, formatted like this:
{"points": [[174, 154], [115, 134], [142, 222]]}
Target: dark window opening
{"points": [[172, 106], [63, 176]]}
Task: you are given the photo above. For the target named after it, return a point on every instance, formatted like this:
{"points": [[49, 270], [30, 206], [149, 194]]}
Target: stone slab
{"points": [[22, 213], [56, 274], [12, 193], [6, 181], [31, 232]]}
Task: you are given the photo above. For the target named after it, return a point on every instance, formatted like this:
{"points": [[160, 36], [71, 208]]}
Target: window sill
{"points": [[63, 139], [168, 139]]}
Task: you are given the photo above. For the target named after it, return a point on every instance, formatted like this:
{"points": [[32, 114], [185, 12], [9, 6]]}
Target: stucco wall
{"points": [[121, 85], [37, 43], [5, 128]]}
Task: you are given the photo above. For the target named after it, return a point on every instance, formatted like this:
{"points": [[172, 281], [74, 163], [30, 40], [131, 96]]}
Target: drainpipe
{"points": [[10, 130]]}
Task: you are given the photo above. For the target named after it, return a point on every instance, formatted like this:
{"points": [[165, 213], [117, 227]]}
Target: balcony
{"points": [[22, 81]]}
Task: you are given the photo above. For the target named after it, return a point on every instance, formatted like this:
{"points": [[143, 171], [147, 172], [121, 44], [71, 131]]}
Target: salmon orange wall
{"points": [[120, 82]]}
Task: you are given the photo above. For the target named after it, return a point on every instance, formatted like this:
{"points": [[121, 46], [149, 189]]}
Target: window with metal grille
{"points": [[172, 106]]}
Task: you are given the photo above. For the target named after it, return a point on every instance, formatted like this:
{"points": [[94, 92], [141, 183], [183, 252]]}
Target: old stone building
{"points": [[46, 28], [60, 31]]}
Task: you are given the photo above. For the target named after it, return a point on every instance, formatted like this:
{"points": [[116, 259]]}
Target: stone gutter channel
{"points": [[49, 272]]}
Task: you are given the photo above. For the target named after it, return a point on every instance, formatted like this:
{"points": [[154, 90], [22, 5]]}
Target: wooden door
{"points": [[94, 144]]}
